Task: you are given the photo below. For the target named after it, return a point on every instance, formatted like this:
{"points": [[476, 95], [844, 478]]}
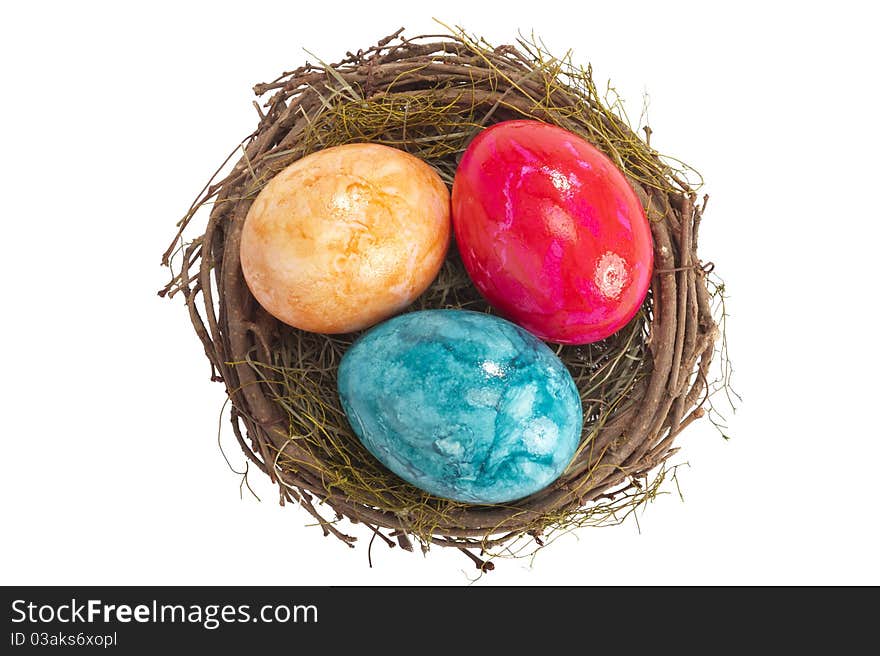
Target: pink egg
{"points": [[550, 232]]}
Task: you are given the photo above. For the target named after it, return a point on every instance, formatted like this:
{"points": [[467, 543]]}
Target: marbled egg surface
{"points": [[345, 237], [464, 405], [551, 232]]}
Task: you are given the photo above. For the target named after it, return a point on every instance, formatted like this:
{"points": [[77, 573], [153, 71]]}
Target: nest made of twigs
{"points": [[429, 96]]}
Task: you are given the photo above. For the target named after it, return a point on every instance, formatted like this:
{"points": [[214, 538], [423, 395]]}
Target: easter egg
{"points": [[345, 237], [550, 232], [464, 405]]}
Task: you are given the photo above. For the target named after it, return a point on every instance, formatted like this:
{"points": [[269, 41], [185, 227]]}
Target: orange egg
{"points": [[345, 237]]}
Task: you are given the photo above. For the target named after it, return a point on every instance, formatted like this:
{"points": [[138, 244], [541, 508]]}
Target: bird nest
{"points": [[429, 96]]}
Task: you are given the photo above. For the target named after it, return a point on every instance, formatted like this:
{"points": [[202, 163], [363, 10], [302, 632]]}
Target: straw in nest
{"points": [[429, 96]]}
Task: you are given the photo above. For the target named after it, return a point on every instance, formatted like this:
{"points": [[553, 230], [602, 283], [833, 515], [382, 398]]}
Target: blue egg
{"points": [[462, 404]]}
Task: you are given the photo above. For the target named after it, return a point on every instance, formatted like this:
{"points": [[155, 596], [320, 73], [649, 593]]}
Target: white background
{"points": [[114, 116]]}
